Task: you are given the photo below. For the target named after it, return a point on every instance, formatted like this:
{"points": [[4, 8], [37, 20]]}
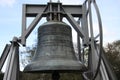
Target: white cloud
{"points": [[7, 2]]}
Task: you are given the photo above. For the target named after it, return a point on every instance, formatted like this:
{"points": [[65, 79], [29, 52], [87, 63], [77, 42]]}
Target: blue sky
{"points": [[11, 15]]}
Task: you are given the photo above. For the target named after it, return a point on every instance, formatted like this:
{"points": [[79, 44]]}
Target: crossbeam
{"points": [[33, 9], [48, 11]]}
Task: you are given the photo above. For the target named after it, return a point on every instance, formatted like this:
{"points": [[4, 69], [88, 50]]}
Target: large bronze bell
{"points": [[54, 50]]}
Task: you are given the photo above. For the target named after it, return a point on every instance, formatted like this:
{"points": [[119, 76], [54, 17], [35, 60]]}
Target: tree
{"points": [[26, 55], [113, 54]]}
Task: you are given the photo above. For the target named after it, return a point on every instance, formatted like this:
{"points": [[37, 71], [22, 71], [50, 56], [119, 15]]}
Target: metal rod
{"points": [[15, 68], [11, 66], [84, 25], [23, 40], [101, 38], [79, 47], [92, 64], [8, 63], [78, 43], [83, 58], [59, 17], [12, 70], [33, 24], [58, 1], [4, 55], [50, 12], [75, 25], [50, 0]]}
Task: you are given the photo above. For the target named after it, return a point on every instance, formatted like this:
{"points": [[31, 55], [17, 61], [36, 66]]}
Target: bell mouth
{"points": [[55, 65]]}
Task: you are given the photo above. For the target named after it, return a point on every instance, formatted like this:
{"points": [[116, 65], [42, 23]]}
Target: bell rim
{"points": [[76, 67]]}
